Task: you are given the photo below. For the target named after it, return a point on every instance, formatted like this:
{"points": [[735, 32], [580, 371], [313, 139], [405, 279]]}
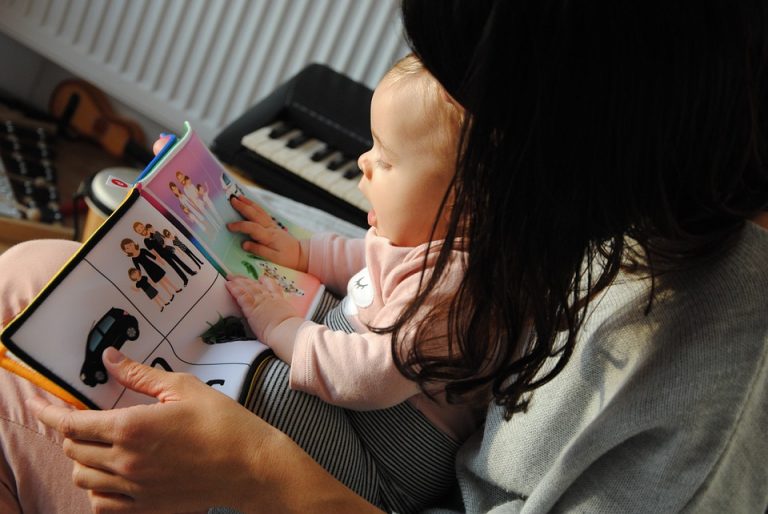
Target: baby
{"points": [[347, 360]]}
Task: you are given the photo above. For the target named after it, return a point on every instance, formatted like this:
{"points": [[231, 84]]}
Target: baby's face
{"points": [[405, 175]]}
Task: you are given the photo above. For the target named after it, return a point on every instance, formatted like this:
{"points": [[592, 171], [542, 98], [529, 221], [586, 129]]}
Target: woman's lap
{"points": [[35, 476]]}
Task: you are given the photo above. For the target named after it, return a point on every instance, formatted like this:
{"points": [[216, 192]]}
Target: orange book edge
{"points": [[24, 371]]}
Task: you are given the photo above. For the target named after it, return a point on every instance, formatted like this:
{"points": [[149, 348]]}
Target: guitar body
{"points": [[82, 108]]}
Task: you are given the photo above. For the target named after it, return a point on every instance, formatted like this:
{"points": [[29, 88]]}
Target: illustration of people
{"points": [[195, 220], [175, 241], [194, 216], [143, 259], [142, 283], [190, 191], [205, 200], [156, 244]]}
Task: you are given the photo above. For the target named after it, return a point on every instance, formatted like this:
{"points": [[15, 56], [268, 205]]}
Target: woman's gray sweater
{"points": [[663, 412]]}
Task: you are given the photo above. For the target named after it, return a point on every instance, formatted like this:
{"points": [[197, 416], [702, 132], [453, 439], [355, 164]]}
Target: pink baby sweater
{"points": [[356, 371]]}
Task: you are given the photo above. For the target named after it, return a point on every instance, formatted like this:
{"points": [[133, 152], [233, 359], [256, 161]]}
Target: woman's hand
{"points": [[193, 449], [268, 239], [271, 317]]}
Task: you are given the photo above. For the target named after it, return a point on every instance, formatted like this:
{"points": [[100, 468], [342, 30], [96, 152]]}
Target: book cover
{"points": [[151, 282], [198, 203]]}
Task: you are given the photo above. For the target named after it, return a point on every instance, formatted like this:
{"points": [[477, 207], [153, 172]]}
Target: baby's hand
{"points": [[268, 239], [159, 143], [263, 304]]}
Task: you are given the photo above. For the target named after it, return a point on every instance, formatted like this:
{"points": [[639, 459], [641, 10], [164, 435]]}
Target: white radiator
{"points": [[205, 61]]}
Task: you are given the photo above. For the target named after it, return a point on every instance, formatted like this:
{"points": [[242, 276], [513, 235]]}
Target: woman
{"points": [[612, 168]]}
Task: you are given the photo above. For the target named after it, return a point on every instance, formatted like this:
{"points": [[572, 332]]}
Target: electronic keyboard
{"points": [[302, 141]]}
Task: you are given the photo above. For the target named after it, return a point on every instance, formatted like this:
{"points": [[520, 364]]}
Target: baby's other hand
{"points": [[263, 304], [267, 238], [160, 143]]}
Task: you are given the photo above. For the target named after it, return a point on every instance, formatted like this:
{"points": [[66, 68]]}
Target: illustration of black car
{"points": [[113, 329]]}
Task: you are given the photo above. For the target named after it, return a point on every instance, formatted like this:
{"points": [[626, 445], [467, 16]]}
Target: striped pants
{"points": [[394, 458]]}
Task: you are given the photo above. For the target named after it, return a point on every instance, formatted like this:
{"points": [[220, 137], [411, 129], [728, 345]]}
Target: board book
{"points": [[150, 281]]}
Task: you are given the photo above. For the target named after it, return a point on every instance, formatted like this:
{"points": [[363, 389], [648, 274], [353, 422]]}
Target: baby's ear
{"points": [[446, 97]]}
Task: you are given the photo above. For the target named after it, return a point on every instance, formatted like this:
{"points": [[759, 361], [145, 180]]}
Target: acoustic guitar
{"points": [[82, 109]]}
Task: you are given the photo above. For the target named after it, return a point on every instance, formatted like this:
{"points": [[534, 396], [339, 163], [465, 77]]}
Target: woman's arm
{"points": [[193, 449]]}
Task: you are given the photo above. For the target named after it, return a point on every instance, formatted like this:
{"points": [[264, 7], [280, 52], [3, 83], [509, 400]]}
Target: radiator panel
{"points": [[205, 61]]}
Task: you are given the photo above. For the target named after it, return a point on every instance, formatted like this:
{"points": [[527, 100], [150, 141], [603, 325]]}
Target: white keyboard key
{"points": [[299, 161], [359, 200], [268, 147], [254, 139], [299, 158], [329, 178], [346, 184]]}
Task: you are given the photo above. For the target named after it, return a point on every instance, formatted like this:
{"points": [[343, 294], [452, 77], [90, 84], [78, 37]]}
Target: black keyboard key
{"points": [[337, 163], [297, 141], [352, 173], [280, 131], [321, 154]]}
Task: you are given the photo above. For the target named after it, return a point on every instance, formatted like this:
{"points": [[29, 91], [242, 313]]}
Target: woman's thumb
{"points": [[134, 375]]}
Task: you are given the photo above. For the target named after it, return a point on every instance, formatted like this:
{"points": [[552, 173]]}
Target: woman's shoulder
{"points": [[677, 395]]}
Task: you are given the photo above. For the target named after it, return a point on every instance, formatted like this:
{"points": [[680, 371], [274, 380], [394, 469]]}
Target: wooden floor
{"points": [[76, 160]]}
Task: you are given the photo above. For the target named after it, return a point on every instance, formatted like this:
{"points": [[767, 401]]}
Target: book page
{"points": [[192, 187], [159, 307]]}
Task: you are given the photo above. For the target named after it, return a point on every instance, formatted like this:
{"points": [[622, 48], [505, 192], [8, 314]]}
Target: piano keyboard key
{"points": [[338, 162], [254, 139], [297, 141], [311, 159], [353, 172], [279, 130], [322, 153], [296, 158]]}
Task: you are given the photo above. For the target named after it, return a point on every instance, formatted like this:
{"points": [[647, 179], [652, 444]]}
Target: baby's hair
{"points": [[148, 226], [446, 114], [133, 271]]}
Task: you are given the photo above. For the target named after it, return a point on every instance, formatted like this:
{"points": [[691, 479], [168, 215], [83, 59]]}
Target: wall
{"points": [[31, 78], [199, 60]]}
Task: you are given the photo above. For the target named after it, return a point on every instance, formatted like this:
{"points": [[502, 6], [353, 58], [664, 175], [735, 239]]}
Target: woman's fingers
{"points": [[85, 425], [92, 454], [88, 477], [108, 503]]}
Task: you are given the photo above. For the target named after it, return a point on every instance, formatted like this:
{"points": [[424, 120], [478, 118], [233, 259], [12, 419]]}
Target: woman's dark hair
{"points": [[590, 124]]}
